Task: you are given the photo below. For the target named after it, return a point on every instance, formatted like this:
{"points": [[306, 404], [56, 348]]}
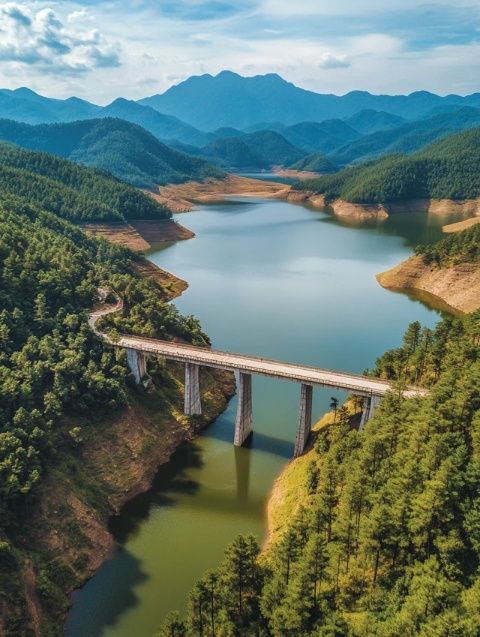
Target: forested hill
{"points": [[124, 149], [459, 247], [60, 387], [71, 191], [387, 541], [447, 169]]}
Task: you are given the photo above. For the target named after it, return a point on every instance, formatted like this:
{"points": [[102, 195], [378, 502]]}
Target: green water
{"points": [[266, 278]]}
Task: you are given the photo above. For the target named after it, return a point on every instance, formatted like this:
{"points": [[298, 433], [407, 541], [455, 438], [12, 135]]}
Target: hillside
{"points": [[448, 270], [257, 151], [323, 137], [164, 127], [228, 99], [315, 163], [126, 150], [408, 137], [77, 439], [381, 533], [447, 169], [371, 121], [70, 191]]}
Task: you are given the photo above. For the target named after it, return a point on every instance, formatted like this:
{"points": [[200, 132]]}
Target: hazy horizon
{"points": [[99, 50]]}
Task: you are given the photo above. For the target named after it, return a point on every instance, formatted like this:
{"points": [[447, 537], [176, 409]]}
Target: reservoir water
{"points": [[271, 279]]}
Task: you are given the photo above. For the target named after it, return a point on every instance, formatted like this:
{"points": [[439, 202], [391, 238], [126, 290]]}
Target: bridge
{"points": [[139, 348]]}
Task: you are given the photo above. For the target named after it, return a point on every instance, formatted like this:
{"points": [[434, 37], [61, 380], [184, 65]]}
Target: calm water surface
{"points": [[266, 278]]}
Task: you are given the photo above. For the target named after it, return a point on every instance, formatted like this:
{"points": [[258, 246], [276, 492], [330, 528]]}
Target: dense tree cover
{"points": [[459, 247], [370, 121], [52, 367], [389, 542], [447, 169], [124, 149], [71, 191], [315, 163], [409, 137], [258, 150]]}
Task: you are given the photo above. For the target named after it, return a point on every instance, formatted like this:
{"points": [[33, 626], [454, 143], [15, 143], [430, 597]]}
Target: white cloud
{"points": [[38, 38], [330, 61]]}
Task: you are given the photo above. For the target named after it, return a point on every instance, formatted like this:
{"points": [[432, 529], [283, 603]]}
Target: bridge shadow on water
{"points": [[258, 441]]}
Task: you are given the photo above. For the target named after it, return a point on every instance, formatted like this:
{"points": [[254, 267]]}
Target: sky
{"points": [[100, 50]]}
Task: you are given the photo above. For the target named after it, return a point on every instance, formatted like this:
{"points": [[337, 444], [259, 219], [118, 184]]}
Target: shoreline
{"points": [[368, 211], [118, 462], [456, 286], [140, 235], [183, 197]]}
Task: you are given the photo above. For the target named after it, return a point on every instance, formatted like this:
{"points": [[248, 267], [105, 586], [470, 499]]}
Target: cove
{"points": [[266, 278]]}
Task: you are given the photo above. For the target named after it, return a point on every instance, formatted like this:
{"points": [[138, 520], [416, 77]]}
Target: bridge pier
{"points": [[304, 419], [371, 405], [137, 362], [244, 418], [193, 404]]}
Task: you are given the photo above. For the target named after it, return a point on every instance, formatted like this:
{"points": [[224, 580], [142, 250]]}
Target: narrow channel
{"points": [[271, 279]]}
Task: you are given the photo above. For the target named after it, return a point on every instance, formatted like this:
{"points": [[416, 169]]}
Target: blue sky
{"points": [[102, 49]]}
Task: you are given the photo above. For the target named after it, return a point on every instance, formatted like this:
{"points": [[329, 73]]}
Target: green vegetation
{"points": [[388, 543], [314, 163], [71, 191], [408, 137], [448, 169], [124, 149], [460, 247], [258, 150], [61, 386]]}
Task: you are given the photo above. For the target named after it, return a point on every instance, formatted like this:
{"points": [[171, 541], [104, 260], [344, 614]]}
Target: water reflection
{"points": [[171, 481]]}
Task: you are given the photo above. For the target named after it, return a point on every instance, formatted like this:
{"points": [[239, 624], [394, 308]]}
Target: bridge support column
{"points": [[193, 404], [244, 419], [137, 362], [304, 419], [371, 405]]}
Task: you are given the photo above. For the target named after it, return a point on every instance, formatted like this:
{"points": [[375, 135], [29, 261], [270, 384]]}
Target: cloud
{"points": [[40, 39], [330, 61]]}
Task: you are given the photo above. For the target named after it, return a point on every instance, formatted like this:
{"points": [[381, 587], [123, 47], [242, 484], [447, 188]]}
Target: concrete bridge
{"points": [[140, 348]]}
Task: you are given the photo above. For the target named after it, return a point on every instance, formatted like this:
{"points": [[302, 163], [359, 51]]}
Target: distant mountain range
{"points": [[125, 150], [234, 122], [228, 99]]}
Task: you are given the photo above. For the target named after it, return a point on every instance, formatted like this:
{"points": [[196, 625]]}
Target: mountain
{"points": [[407, 138], [315, 163], [371, 121], [162, 126], [126, 150], [260, 150], [447, 169], [323, 137], [70, 191], [24, 105], [227, 99]]}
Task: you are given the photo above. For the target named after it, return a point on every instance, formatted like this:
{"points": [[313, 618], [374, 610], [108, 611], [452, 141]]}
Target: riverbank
{"points": [[289, 492], [458, 286], [105, 471], [98, 470], [183, 197], [367, 211], [140, 235]]}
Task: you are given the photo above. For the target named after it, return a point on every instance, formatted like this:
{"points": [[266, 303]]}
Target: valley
{"points": [[248, 215]]}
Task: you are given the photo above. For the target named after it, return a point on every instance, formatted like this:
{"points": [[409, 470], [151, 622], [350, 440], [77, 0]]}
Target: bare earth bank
{"points": [[458, 286], [183, 197], [364, 211]]}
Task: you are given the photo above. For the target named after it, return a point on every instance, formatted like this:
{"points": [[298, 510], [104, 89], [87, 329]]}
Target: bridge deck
{"points": [[361, 385]]}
